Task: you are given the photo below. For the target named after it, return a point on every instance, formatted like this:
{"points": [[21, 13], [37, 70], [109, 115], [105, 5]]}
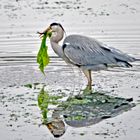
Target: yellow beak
{"points": [[48, 30]]}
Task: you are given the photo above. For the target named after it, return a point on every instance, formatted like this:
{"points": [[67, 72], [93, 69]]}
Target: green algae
{"points": [[42, 56]]}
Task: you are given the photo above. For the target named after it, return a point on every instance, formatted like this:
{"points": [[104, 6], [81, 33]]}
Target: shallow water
{"points": [[115, 24]]}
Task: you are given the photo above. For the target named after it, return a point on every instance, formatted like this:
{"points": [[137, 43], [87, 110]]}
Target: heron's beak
{"points": [[48, 30]]}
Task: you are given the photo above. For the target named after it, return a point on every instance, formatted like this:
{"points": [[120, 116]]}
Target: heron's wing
{"points": [[87, 51]]}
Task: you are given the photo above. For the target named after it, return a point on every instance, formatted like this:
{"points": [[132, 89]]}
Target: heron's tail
{"points": [[123, 63], [126, 63], [137, 59]]}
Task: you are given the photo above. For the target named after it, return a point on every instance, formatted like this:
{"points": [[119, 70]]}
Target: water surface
{"points": [[116, 24]]}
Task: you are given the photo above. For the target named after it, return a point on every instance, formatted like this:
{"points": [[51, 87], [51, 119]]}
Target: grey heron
{"points": [[86, 53]]}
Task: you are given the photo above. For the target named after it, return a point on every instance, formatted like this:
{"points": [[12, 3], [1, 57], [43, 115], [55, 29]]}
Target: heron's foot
{"points": [[88, 90]]}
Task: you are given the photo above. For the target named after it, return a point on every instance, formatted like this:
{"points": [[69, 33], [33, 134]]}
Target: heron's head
{"points": [[56, 30]]}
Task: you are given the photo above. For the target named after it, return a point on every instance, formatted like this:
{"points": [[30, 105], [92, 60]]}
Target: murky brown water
{"points": [[114, 23]]}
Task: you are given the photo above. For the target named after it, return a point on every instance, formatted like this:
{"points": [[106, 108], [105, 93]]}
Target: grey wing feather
{"points": [[87, 51]]}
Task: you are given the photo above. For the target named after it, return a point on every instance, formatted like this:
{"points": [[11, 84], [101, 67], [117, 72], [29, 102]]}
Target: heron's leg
{"points": [[88, 75]]}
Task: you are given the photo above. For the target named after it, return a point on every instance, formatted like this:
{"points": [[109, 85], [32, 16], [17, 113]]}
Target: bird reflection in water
{"points": [[79, 111]]}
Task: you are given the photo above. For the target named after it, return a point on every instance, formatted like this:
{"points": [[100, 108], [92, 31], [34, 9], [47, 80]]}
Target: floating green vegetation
{"points": [[28, 85], [34, 85]]}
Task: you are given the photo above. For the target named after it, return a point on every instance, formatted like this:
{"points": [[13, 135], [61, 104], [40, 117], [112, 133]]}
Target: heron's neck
{"points": [[57, 48], [54, 40]]}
